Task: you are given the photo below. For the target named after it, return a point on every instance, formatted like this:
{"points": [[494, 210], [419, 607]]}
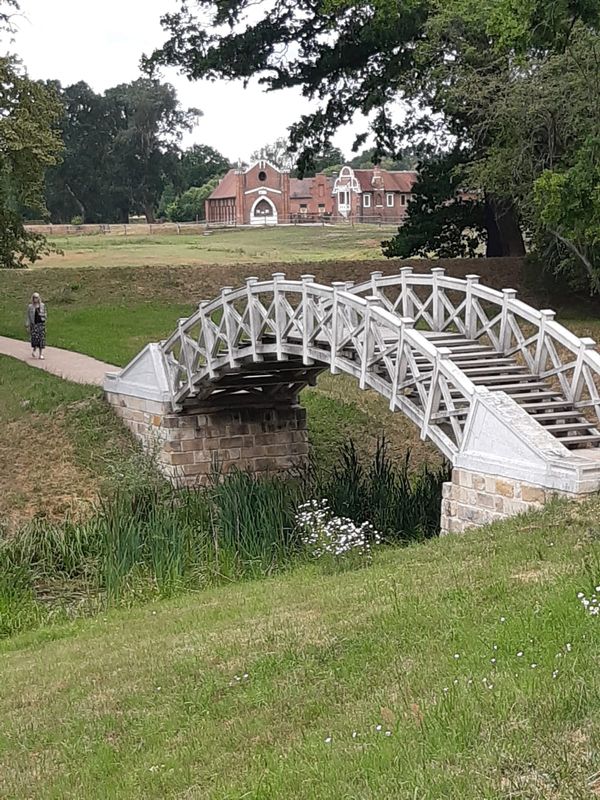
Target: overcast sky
{"points": [[101, 41]]}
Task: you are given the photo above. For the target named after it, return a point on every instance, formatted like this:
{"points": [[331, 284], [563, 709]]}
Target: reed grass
{"points": [[149, 539]]}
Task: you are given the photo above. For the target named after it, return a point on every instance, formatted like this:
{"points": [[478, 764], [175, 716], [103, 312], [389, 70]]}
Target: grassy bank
{"points": [[228, 246], [146, 539], [60, 444], [112, 313], [473, 652]]}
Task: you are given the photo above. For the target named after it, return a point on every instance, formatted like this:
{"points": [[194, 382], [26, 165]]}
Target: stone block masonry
{"points": [[190, 445], [472, 499]]}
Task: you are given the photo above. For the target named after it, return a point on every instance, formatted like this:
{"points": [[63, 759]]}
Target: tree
{"points": [[29, 144], [568, 203], [190, 206], [407, 159], [199, 164], [276, 153], [84, 182], [150, 123], [449, 227], [445, 60]]}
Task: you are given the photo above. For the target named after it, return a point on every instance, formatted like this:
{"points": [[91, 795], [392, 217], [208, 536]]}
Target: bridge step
{"points": [[569, 426], [574, 441]]}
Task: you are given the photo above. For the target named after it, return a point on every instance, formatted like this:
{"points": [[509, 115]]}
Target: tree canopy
{"points": [[121, 149], [29, 144]]}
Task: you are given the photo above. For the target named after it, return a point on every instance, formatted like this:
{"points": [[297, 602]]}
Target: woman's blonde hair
{"points": [[34, 296]]}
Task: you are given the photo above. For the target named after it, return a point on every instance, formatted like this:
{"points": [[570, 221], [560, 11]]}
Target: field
{"points": [[460, 668], [229, 246]]}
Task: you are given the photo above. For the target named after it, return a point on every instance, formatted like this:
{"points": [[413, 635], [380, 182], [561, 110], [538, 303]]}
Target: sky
{"points": [[101, 42]]}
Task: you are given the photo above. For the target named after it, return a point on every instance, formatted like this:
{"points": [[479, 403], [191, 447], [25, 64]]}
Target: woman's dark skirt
{"points": [[38, 336]]}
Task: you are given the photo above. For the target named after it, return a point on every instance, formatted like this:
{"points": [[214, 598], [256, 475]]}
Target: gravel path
{"points": [[64, 363]]}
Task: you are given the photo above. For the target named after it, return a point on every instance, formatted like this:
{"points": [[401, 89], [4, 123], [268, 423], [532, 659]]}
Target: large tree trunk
{"points": [[504, 236], [149, 213]]}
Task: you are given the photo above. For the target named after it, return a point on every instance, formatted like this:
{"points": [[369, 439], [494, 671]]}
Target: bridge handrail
{"points": [[329, 321], [550, 350]]}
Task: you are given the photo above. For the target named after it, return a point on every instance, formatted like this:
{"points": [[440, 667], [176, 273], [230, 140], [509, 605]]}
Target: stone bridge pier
{"points": [[267, 437]]}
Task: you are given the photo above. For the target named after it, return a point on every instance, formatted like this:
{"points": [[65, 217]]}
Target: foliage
{"points": [[121, 150], [407, 159], [191, 205], [281, 154], [148, 538], [334, 541], [494, 79], [276, 153], [435, 224], [28, 145], [198, 165], [568, 204], [401, 505]]}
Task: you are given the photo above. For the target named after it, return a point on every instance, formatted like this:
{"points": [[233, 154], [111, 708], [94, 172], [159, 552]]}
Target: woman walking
{"points": [[36, 324]]}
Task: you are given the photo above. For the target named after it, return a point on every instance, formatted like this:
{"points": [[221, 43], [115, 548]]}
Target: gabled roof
{"points": [[304, 187], [227, 187], [393, 180]]}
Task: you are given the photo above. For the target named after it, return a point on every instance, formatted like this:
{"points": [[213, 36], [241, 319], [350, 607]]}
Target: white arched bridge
{"points": [[503, 390]]}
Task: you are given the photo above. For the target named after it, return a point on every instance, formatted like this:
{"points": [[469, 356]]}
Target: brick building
{"points": [[264, 195]]}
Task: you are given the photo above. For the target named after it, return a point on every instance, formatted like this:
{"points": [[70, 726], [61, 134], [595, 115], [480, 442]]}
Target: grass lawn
{"points": [[59, 442], [230, 246], [464, 667]]}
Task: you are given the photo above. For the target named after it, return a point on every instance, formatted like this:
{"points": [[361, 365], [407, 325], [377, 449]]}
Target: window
{"points": [[389, 198], [321, 207], [262, 176], [402, 199], [303, 208], [366, 201], [343, 199]]}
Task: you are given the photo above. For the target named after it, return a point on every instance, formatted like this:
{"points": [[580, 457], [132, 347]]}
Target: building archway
{"points": [[263, 212]]}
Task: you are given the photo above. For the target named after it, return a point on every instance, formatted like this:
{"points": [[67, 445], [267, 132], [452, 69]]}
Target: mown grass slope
{"points": [[459, 668], [227, 246]]}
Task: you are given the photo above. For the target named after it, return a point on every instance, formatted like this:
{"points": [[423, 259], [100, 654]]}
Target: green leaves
{"points": [[29, 143], [568, 205]]}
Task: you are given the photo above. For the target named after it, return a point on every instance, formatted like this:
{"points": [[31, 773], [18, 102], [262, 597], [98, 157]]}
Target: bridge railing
{"points": [[280, 319], [438, 302]]}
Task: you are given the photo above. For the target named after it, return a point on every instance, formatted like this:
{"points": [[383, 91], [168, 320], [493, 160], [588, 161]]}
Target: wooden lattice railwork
{"points": [[497, 385]]}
